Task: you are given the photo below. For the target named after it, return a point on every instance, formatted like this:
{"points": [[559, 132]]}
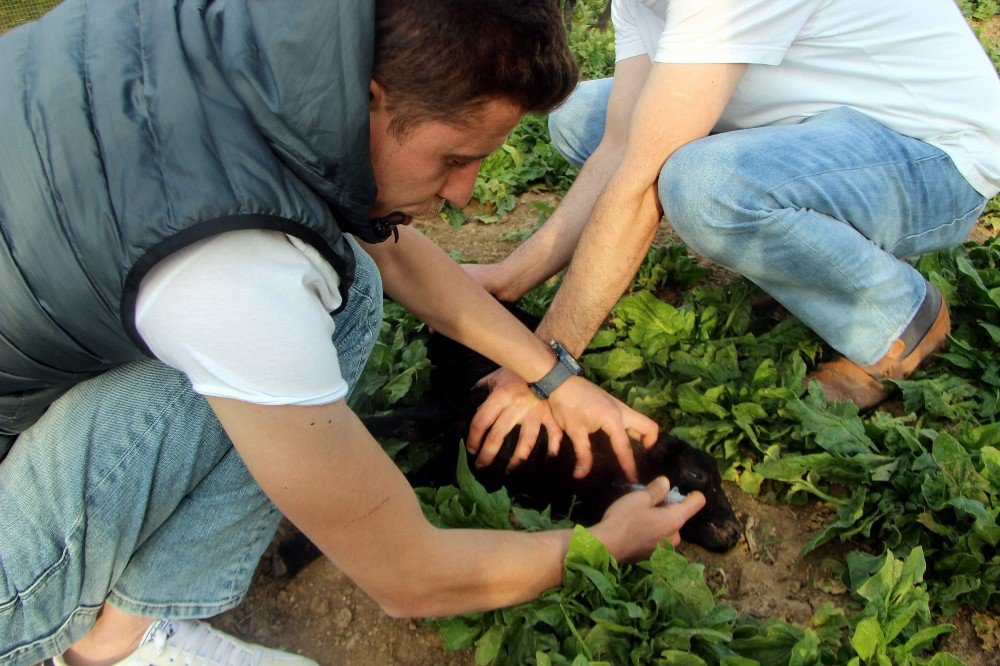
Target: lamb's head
{"points": [[716, 526]]}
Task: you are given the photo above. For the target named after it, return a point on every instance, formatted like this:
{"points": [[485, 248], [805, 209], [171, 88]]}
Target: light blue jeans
{"points": [[818, 214], [129, 491]]}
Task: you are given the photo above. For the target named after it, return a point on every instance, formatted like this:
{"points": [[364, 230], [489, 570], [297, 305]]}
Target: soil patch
{"points": [[320, 613], [487, 243]]}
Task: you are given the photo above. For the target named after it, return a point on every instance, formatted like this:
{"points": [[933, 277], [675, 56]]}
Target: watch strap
{"points": [[565, 367]]}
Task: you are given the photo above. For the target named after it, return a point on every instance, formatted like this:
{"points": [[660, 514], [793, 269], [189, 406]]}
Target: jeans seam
{"points": [[66, 555], [770, 192], [28, 592], [937, 229], [241, 571], [51, 638], [184, 605]]}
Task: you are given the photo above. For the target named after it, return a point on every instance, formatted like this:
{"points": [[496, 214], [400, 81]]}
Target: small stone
{"points": [[320, 606], [761, 610], [412, 626], [797, 611], [342, 618]]}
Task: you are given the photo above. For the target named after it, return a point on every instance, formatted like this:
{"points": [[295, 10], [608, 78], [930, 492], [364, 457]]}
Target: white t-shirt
{"points": [[913, 66], [246, 315]]}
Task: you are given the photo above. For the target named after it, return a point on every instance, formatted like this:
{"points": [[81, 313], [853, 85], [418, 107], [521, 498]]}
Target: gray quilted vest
{"points": [[130, 128]]}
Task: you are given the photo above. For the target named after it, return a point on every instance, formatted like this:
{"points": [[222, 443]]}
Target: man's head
{"points": [[451, 79]]}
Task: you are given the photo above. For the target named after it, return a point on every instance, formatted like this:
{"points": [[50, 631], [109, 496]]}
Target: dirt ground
{"points": [[320, 613]]}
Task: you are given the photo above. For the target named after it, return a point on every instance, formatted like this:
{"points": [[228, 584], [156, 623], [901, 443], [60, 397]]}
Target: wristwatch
{"points": [[565, 367]]}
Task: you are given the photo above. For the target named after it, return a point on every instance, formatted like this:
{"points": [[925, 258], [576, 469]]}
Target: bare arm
{"points": [[551, 247], [419, 275], [678, 104], [654, 110], [330, 478]]}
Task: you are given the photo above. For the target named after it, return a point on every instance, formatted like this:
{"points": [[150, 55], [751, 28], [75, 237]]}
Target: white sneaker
{"points": [[193, 643]]}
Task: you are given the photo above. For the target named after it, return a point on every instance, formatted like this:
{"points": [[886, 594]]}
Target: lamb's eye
{"points": [[695, 476]]}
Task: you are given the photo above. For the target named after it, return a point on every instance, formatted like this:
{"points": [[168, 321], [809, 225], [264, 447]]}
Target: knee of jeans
{"points": [[709, 197], [563, 140], [577, 126]]}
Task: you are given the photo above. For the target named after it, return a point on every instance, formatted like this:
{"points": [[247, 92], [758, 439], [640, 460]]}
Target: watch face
{"points": [[566, 358]]}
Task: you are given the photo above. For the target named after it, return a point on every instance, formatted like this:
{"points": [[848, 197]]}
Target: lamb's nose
{"points": [[729, 533], [735, 531]]}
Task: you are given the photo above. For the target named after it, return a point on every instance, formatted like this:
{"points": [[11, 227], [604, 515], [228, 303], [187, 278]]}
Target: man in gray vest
{"points": [[188, 190]]}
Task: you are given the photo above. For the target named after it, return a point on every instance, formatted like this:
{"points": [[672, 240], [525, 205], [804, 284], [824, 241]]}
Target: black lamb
{"points": [[540, 481]]}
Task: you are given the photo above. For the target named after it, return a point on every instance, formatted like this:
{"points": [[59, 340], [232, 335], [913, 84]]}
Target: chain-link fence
{"points": [[15, 12]]}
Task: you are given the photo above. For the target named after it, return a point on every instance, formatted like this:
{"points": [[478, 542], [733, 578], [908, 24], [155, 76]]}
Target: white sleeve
{"points": [[628, 38], [731, 31], [246, 315]]}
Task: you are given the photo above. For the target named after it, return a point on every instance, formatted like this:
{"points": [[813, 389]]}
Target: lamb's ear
{"points": [[664, 457], [427, 421], [397, 426], [413, 423], [675, 444]]}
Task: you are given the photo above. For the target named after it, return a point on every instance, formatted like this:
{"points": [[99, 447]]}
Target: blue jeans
{"points": [[128, 491], [818, 214]]}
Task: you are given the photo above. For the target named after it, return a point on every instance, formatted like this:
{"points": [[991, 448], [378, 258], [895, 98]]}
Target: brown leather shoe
{"points": [[845, 380]]}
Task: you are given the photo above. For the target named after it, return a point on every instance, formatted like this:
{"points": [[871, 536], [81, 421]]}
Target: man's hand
{"points": [[577, 408], [634, 525], [493, 278], [581, 408], [509, 404]]}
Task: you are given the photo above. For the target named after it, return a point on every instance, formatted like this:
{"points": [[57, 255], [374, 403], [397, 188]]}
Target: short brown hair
{"points": [[443, 59]]}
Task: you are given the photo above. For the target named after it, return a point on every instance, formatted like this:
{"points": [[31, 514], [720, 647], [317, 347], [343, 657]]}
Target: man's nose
{"points": [[458, 187]]}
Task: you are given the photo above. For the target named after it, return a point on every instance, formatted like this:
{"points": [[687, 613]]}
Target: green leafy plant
{"points": [[527, 160], [398, 371], [593, 46], [981, 10], [662, 612]]}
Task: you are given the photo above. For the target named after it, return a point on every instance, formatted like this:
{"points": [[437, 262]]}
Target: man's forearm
{"points": [[475, 570], [678, 103], [550, 248], [605, 261], [336, 484], [420, 276]]}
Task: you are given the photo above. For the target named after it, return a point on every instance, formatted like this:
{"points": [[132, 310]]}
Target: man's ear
{"points": [[376, 96]]}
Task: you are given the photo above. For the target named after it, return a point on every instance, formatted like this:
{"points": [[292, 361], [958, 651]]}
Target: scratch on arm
{"points": [[371, 511]]}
